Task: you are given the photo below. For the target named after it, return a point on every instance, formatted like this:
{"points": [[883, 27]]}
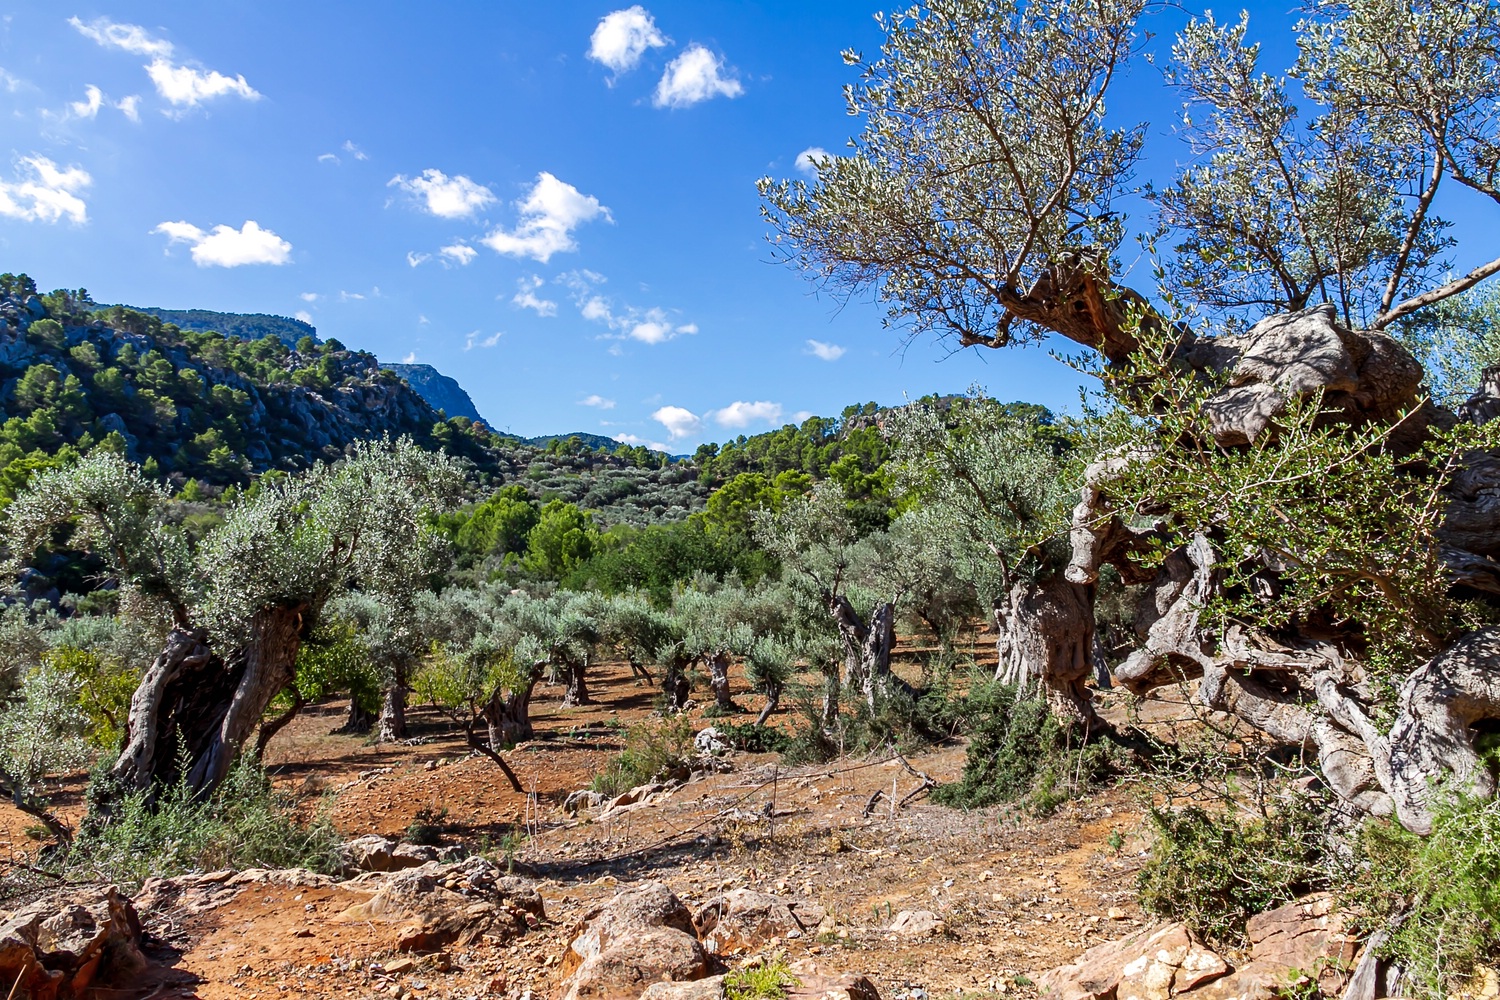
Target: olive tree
{"points": [[982, 201], [244, 595]]}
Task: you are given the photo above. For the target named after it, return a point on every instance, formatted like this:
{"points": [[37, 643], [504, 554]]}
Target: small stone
{"points": [[396, 966], [1115, 913]]}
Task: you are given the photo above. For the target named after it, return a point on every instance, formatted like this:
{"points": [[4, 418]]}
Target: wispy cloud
{"points": [[355, 151], [548, 216], [182, 85], [44, 192], [827, 352], [526, 297], [649, 326], [351, 296], [187, 87], [130, 38], [598, 402], [226, 246], [458, 254], [309, 296], [622, 37], [443, 196], [410, 358], [416, 259], [694, 76], [742, 414], [329, 158], [473, 341], [303, 315]]}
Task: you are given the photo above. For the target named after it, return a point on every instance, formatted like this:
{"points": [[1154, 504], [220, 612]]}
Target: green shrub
{"points": [[766, 981], [1019, 753], [1213, 872], [244, 824], [749, 737], [1441, 891], [652, 748]]}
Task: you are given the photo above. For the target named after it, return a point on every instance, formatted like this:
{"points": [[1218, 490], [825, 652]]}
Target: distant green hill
{"points": [[595, 441], [246, 326]]}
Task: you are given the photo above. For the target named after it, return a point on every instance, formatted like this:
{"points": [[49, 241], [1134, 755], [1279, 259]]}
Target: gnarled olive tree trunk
{"points": [[867, 648], [193, 711], [577, 692], [1301, 688], [391, 725], [718, 679], [1045, 641]]}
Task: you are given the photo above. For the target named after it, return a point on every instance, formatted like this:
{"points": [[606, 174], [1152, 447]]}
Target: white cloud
{"points": [[807, 161], [742, 414], [90, 105], [598, 402], [827, 352], [459, 253], [596, 310], [473, 341], [443, 196], [680, 423], [350, 296], [410, 359], [634, 440], [549, 214], [130, 38], [526, 297], [328, 158], [649, 326], [10, 82], [188, 87], [227, 246], [44, 192], [655, 328], [423, 320], [802, 416], [130, 107], [414, 259], [309, 296], [303, 315], [621, 38], [355, 151], [692, 77]]}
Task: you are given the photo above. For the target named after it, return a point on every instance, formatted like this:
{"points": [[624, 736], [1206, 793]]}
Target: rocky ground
{"points": [[922, 900]]}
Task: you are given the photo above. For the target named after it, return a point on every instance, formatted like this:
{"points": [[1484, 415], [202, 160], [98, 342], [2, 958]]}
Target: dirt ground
{"points": [[1016, 895]]}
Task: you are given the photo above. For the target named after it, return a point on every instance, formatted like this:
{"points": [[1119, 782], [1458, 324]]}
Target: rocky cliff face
{"points": [[214, 409], [440, 391]]}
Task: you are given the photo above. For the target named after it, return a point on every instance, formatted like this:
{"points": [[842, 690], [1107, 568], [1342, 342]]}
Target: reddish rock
{"points": [[59, 947], [1152, 964], [743, 920], [642, 936]]}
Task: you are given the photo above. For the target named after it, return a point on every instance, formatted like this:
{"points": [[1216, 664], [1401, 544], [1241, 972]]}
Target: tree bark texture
{"points": [[718, 679], [1045, 642], [867, 648], [577, 692], [195, 708], [392, 724]]}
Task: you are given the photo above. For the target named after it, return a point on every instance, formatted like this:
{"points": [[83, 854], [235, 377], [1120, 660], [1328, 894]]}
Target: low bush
{"points": [[1438, 896], [244, 824], [652, 749], [764, 981], [1019, 753], [1213, 872], [749, 737]]}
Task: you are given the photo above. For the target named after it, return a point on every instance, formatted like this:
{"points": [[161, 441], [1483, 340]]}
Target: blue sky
{"points": [[553, 203]]}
